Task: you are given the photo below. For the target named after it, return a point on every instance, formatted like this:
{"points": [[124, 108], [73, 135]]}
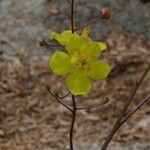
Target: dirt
{"points": [[30, 119]]}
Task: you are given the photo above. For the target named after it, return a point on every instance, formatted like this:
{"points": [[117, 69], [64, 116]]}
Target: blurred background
{"points": [[30, 119]]}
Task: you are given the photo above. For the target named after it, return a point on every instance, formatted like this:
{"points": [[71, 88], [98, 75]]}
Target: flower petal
{"points": [[75, 42], [61, 38], [91, 50], [60, 63], [78, 83], [99, 70], [102, 45]]}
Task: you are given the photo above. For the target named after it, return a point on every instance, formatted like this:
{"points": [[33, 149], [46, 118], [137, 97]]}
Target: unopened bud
{"points": [[42, 43], [105, 13]]}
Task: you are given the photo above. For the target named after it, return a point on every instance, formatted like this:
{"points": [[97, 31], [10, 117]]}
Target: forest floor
{"points": [[30, 119]]}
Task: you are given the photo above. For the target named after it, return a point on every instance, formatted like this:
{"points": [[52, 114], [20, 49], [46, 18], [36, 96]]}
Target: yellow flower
{"points": [[80, 62]]}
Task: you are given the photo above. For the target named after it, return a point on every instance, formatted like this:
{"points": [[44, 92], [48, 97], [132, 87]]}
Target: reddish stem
{"points": [[72, 16], [122, 114], [89, 23], [134, 110]]}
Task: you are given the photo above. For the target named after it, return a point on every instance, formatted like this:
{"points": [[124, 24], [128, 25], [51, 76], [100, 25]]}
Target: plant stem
{"points": [[73, 121], [118, 122], [73, 97], [94, 106], [134, 110], [72, 16], [57, 99], [89, 23], [62, 97]]}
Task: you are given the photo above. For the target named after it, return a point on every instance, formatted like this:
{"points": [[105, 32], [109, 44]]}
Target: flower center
{"points": [[81, 61]]}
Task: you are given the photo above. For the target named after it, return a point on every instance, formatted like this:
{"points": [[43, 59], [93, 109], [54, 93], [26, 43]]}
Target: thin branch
{"points": [[73, 97], [44, 43], [72, 16], [49, 90], [134, 110], [104, 15], [94, 106], [117, 124], [138, 83], [62, 97], [73, 121], [89, 23], [63, 104]]}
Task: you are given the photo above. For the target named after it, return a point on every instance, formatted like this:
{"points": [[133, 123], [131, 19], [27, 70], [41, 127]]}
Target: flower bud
{"points": [[42, 43], [105, 13]]}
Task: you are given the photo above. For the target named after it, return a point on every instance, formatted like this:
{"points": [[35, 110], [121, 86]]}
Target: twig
{"points": [[49, 90], [73, 121], [104, 15], [89, 23], [73, 97], [72, 16], [117, 124], [94, 106], [134, 110], [62, 97], [44, 43]]}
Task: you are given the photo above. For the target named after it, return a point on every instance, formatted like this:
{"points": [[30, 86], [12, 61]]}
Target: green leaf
{"points": [[78, 83], [99, 70], [60, 63]]}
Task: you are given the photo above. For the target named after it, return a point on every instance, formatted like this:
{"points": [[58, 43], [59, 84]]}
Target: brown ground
{"points": [[30, 119]]}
